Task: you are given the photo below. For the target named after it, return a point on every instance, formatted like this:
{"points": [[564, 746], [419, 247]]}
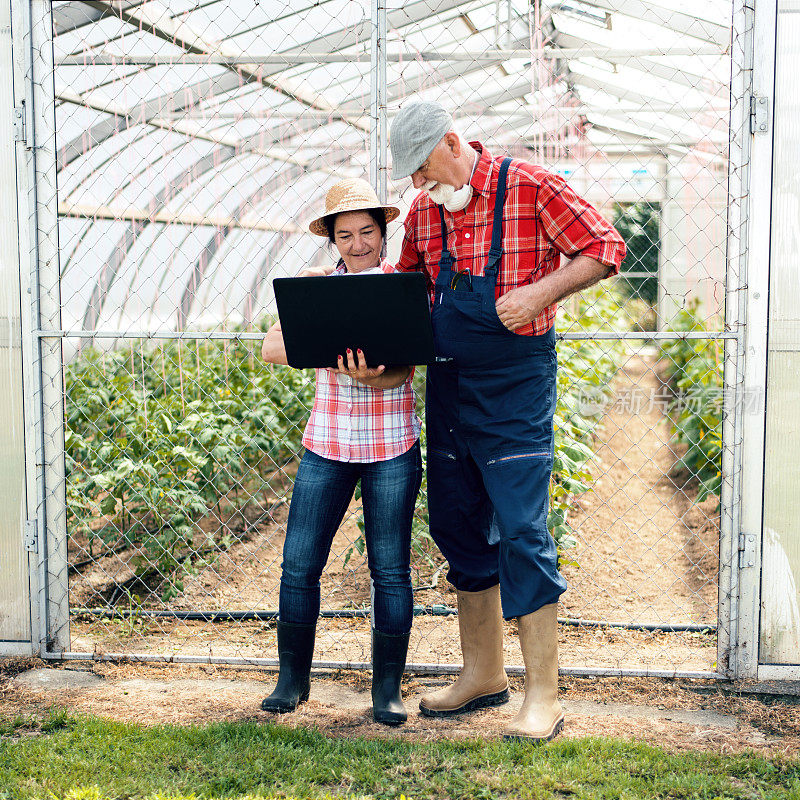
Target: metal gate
{"points": [[188, 147]]}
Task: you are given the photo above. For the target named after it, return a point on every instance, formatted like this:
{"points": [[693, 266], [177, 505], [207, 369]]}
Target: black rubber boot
{"points": [[295, 651], [388, 662]]}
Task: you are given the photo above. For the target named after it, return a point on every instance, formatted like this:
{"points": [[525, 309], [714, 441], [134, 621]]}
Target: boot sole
{"points": [[285, 709], [392, 721], [518, 737], [486, 701]]}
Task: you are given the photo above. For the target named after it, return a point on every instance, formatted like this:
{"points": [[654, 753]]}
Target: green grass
{"points": [[91, 759]]}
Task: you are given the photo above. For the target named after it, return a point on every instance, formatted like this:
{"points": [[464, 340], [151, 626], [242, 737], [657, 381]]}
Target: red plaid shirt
{"points": [[542, 218], [354, 422]]}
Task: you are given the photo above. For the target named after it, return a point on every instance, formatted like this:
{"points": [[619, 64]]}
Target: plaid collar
{"points": [[482, 176]]}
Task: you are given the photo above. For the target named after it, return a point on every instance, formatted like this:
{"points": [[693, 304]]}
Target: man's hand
{"points": [[523, 304], [520, 306]]}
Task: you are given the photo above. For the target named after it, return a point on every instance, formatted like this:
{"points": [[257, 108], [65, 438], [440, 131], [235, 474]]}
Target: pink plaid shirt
{"points": [[542, 219], [354, 422]]}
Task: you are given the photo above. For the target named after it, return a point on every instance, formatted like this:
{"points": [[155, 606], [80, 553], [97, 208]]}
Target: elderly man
{"points": [[489, 234]]}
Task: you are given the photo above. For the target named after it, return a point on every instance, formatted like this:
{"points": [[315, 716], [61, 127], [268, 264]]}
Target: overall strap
{"points": [[446, 260], [496, 249]]}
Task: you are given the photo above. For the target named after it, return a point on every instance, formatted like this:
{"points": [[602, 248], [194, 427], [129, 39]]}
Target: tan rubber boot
{"points": [[541, 716], [482, 681]]}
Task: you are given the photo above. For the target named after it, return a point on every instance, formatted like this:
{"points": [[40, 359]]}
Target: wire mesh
{"points": [[194, 143]]}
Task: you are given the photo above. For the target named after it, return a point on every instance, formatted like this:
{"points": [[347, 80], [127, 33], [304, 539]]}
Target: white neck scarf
{"points": [[459, 199], [451, 198]]}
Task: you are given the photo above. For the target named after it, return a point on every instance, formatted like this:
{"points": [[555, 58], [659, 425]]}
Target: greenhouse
{"points": [[160, 165]]}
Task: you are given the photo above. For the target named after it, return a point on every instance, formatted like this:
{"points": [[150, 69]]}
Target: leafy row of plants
{"points": [[693, 369], [158, 438], [586, 368]]}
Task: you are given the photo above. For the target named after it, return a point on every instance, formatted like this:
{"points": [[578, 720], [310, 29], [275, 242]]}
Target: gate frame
{"points": [[756, 297], [744, 340], [32, 49], [753, 307]]}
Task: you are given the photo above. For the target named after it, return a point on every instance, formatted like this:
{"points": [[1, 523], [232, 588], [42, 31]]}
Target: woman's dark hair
{"points": [[376, 213]]}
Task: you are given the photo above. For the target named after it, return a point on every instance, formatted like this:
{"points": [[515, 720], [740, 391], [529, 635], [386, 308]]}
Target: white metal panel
{"points": [[745, 661], [780, 598], [15, 618]]}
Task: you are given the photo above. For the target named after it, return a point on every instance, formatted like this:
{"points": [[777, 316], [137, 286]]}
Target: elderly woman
{"points": [[362, 427]]}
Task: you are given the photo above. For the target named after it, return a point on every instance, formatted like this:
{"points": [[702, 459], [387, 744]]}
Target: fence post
{"points": [[735, 320], [44, 381], [754, 303], [378, 132]]}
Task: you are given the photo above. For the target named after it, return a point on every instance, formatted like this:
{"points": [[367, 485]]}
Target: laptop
{"points": [[385, 315]]}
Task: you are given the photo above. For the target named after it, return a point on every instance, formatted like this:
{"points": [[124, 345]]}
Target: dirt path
{"points": [[646, 551], [691, 715]]}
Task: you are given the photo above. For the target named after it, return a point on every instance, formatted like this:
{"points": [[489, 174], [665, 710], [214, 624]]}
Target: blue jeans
{"points": [[323, 489]]}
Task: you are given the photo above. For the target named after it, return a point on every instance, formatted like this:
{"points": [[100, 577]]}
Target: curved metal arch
{"points": [[216, 241], [66, 22], [70, 17], [131, 177], [680, 22], [93, 169], [396, 91], [141, 114], [189, 230], [681, 77], [198, 271], [399, 89], [181, 35], [262, 273], [148, 110], [110, 270]]}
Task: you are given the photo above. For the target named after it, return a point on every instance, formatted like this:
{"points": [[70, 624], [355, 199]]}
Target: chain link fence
{"points": [[193, 144]]}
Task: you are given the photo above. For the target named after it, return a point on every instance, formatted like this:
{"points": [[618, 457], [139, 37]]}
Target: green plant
{"points": [[586, 368], [163, 442], [156, 439], [694, 372], [638, 224]]}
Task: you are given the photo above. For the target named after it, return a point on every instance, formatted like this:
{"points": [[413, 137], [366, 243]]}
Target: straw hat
{"points": [[351, 194]]}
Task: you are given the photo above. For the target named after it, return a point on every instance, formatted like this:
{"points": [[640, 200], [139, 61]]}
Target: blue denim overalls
{"points": [[489, 419]]}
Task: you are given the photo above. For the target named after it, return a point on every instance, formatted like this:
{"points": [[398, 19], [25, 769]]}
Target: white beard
{"points": [[449, 197]]}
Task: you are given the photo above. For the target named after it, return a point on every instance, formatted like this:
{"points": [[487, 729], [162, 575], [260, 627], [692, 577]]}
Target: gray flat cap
{"points": [[416, 130]]}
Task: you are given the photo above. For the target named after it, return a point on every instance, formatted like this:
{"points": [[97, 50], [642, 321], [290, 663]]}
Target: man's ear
{"points": [[453, 143]]}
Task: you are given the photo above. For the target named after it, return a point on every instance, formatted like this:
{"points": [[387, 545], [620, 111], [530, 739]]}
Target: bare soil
{"points": [[647, 551], [676, 715]]}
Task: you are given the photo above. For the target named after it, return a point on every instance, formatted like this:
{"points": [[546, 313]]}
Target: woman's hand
{"points": [[359, 370], [377, 377], [316, 272]]}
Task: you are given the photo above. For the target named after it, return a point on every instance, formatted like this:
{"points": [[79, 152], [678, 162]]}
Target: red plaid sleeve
{"points": [[543, 219], [410, 258], [574, 227]]}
